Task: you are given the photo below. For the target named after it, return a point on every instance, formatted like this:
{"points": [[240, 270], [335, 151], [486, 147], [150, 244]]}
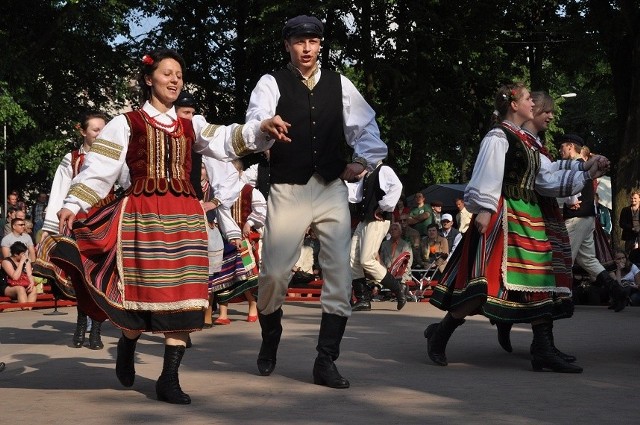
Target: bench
{"points": [[308, 293], [44, 300]]}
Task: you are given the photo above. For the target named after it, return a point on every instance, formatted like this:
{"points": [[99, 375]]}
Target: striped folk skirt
{"points": [[248, 281], [141, 262], [510, 268]]}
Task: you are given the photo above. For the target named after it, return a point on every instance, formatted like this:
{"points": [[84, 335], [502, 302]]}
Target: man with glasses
{"points": [[18, 233]]}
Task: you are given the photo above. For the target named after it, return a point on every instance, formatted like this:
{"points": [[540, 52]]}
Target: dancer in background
{"points": [[91, 123], [504, 269]]}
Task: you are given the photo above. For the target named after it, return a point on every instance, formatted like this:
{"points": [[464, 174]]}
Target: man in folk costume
{"points": [[375, 197], [579, 213], [325, 111]]}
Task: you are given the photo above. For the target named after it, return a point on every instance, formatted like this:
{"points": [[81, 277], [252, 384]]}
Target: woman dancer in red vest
{"points": [[142, 260]]}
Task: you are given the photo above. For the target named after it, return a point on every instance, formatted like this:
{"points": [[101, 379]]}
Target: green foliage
{"points": [[429, 68], [11, 113]]}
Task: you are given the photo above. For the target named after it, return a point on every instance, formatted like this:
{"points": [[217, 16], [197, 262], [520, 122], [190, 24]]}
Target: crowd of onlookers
{"points": [[422, 230]]}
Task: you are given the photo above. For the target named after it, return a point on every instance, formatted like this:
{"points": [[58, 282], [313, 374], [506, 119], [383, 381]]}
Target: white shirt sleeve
{"points": [[102, 166], [258, 209], [228, 225], [224, 180], [228, 142], [354, 191], [485, 187], [560, 178], [391, 186], [360, 127], [59, 189]]}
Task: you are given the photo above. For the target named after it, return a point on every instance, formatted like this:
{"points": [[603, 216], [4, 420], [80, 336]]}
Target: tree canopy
{"points": [[428, 67]]}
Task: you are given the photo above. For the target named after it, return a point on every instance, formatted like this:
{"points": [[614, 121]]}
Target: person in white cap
{"points": [[451, 234]]}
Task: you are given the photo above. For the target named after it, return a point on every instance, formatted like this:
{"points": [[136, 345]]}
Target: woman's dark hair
{"points": [[627, 263], [17, 248], [84, 118], [506, 94], [150, 63]]}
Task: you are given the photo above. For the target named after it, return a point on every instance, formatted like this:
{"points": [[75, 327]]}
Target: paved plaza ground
{"points": [[383, 355]]}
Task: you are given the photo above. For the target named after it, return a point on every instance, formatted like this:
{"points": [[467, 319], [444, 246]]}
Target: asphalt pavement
{"points": [[47, 381]]}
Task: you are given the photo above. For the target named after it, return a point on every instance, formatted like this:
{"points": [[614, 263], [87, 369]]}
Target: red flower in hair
{"points": [[514, 93], [147, 60]]}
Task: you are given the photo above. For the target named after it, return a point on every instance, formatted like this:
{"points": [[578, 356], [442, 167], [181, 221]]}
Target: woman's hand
{"points": [[236, 242], [276, 127], [66, 217], [246, 230], [482, 221]]}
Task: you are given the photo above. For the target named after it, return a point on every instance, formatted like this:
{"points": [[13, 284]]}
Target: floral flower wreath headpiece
{"points": [[147, 60], [512, 96]]}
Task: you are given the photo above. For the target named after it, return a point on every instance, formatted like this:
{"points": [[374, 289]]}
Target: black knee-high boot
{"points": [[438, 335], [566, 357], [543, 354], [168, 385], [504, 336], [271, 325], [81, 329], [95, 341], [125, 370], [394, 285], [363, 295], [325, 371]]}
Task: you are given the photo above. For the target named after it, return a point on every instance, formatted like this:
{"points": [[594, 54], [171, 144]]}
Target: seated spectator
{"points": [[401, 208], [18, 233], [422, 215], [15, 200], [452, 235], [412, 237], [627, 275], [11, 214], [38, 210], [629, 222], [304, 271], [463, 218], [435, 249], [392, 248], [17, 282], [436, 207], [28, 230]]}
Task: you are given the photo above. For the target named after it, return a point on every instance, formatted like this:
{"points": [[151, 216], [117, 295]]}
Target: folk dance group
{"points": [[146, 259]]}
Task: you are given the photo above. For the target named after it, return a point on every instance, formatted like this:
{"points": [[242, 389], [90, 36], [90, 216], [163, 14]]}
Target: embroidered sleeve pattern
{"points": [[210, 130], [84, 193], [238, 142], [106, 148]]}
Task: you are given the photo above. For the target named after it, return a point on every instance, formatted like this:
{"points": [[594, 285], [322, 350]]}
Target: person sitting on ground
{"points": [[17, 282], [627, 275]]}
